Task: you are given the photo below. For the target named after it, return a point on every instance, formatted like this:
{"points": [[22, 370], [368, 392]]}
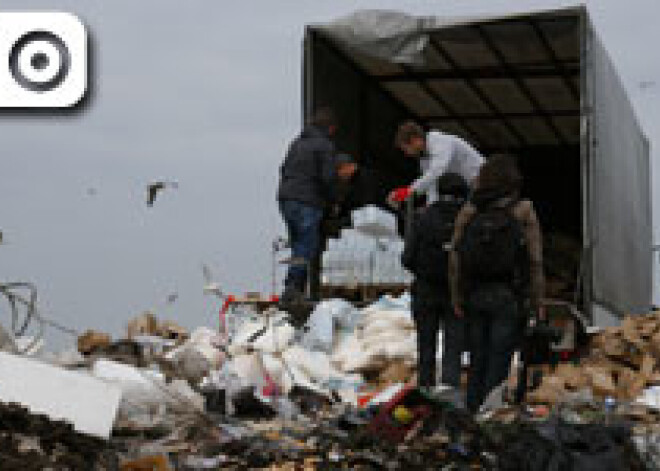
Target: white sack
{"points": [[145, 391], [275, 339]]}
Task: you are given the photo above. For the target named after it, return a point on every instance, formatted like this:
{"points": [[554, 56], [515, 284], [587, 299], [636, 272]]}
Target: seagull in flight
{"points": [[156, 187]]}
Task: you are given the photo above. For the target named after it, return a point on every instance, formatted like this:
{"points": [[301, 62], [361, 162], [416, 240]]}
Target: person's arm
{"points": [[439, 149], [534, 241], [327, 166], [455, 289], [409, 257]]}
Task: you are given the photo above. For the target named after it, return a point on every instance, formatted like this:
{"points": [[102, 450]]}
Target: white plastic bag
{"points": [[199, 355], [145, 391], [375, 222], [272, 335], [327, 319]]}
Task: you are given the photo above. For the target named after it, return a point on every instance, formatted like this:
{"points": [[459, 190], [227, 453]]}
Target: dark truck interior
{"points": [[510, 85]]}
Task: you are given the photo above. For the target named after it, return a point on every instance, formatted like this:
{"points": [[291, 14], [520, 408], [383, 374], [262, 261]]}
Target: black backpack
{"points": [[493, 249]]}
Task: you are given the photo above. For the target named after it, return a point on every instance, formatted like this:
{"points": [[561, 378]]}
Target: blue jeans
{"points": [[303, 223], [495, 329]]}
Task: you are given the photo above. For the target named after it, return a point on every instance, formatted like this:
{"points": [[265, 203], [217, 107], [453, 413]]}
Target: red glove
{"points": [[401, 194]]}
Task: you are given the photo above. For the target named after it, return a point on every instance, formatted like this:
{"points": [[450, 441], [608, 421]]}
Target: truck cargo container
{"points": [[539, 85]]}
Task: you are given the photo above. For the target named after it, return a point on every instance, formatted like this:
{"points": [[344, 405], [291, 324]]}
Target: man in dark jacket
{"points": [[426, 255], [306, 184]]}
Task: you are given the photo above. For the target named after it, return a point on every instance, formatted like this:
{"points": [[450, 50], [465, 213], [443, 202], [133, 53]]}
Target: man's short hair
{"points": [[323, 117], [406, 132]]}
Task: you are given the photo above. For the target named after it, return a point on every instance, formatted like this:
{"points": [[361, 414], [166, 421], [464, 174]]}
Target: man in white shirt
{"points": [[438, 153]]}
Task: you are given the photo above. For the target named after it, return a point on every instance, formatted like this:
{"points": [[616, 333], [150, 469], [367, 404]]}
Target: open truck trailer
{"points": [[537, 85]]}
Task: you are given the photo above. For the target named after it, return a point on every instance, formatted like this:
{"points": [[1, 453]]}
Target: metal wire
{"points": [[22, 294]]}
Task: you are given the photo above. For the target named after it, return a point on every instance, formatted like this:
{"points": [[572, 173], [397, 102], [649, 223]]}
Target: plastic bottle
{"points": [[609, 407]]}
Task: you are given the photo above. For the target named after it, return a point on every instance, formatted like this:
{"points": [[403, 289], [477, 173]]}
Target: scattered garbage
{"points": [[620, 363], [91, 342], [147, 324], [336, 393], [34, 442]]}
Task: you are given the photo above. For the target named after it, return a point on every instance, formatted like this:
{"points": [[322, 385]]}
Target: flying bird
{"points": [[172, 298], [210, 286], [154, 188]]}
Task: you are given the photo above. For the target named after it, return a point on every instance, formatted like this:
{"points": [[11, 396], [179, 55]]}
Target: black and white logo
{"points": [[39, 61], [46, 60]]}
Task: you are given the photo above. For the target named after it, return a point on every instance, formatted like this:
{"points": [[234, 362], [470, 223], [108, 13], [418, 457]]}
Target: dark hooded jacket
{"points": [[523, 211], [308, 172]]}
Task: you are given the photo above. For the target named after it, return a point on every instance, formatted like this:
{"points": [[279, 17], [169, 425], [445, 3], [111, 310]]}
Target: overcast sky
{"points": [[207, 93]]}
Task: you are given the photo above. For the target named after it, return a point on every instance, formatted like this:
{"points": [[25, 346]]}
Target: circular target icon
{"points": [[39, 61]]}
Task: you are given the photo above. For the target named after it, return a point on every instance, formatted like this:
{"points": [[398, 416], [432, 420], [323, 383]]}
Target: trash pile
{"points": [[622, 362], [34, 442], [335, 394]]}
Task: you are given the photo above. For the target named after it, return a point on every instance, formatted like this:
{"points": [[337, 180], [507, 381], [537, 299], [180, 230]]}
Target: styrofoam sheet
{"points": [[88, 403]]}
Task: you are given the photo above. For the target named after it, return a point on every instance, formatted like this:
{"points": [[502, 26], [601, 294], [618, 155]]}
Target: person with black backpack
{"points": [[426, 255], [496, 268]]}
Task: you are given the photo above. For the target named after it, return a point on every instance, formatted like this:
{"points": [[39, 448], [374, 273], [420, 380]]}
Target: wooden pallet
{"points": [[363, 293]]}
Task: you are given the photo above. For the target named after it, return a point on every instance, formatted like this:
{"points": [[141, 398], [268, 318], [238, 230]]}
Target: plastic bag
{"points": [[272, 335], [145, 391], [327, 319]]}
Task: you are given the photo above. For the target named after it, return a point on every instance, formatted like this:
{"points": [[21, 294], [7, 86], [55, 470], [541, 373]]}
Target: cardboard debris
{"points": [[173, 331], [148, 325], [630, 384], [601, 380], [550, 392], [572, 375], [144, 324], [396, 372], [92, 341], [622, 362]]}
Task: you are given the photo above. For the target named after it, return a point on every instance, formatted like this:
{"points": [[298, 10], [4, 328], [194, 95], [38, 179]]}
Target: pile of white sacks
{"points": [[338, 345], [330, 356]]}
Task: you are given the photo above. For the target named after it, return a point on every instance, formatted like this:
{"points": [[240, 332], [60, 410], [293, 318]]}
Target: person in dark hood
{"points": [[306, 189], [495, 263], [426, 255]]}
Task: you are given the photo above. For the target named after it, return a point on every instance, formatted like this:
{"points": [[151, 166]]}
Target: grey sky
{"points": [[206, 93]]}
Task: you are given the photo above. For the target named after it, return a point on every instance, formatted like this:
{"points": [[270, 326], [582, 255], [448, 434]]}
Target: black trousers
{"points": [[431, 308]]}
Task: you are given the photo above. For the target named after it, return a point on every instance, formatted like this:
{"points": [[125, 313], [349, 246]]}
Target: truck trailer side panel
{"points": [[620, 206]]}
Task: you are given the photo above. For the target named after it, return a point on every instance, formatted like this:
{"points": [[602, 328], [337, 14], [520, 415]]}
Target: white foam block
{"points": [[86, 402]]}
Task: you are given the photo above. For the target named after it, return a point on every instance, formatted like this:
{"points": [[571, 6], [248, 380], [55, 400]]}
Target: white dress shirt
{"points": [[445, 153]]}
